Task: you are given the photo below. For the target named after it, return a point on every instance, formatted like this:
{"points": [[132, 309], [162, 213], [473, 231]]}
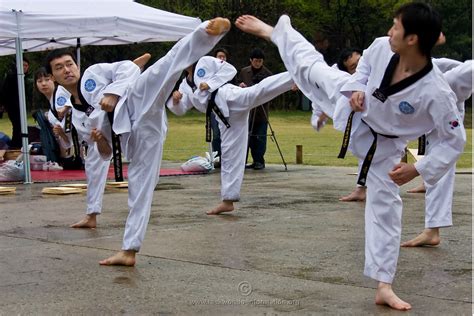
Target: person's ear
{"points": [[412, 39]]}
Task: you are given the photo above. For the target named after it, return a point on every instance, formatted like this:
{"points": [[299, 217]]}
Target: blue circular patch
{"points": [[61, 101], [406, 108], [201, 72], [90, 85]]}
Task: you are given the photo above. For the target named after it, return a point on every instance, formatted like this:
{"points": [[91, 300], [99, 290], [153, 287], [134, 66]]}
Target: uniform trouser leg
{"points": [[97, 170], [439, 201], [306, 65], [145, 105], [233, 146], [383, 213]]}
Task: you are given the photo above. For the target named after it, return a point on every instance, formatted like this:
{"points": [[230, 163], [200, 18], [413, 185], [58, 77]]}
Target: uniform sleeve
{"points": [[460, 80], [445, 64], [447, 141], [317, 112], [184, 104], [224, 74], [122, 74]]}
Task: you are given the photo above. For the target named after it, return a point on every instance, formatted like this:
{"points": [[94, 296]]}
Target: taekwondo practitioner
{"points": [[397, 99], [439, 197], [137, 103], [96, 165], [232, 105]]}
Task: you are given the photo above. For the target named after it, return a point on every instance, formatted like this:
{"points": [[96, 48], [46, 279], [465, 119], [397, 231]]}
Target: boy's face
{"points": [[65, 71]]}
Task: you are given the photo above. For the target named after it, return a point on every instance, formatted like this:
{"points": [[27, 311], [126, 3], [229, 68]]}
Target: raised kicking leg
{"points": [[252, 25], [142, 61]]}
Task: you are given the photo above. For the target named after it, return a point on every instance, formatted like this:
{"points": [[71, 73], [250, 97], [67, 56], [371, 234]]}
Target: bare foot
{"points": [[429, 237], [386, 296], [357, 195], [87, 222], [218, 26], [252, 25], [419, 189], [121, 258], [223, 207], [142, 60]]}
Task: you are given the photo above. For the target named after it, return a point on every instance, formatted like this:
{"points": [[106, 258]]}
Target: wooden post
{"points": [[299, 154]]}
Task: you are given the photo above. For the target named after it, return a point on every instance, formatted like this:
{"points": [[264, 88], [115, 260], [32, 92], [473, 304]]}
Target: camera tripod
{"points": [[272, 137]]}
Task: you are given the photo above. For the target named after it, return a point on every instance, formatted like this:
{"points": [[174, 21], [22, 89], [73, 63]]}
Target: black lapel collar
{"points": [[385, 90]]}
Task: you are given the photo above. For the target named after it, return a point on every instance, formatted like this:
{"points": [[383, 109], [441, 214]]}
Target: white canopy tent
{"points": [[35, 25]]}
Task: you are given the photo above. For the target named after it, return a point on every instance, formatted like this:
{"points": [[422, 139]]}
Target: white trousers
{"points": [[234, 139], [439, 197], [144, 146], [97, 170]]}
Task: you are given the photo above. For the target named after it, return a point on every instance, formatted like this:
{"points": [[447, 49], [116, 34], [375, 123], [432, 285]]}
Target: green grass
{"points": [[186, 138]]}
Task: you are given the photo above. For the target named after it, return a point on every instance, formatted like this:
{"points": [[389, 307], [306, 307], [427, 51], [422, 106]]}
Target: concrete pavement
{"points": [[290, 247]]}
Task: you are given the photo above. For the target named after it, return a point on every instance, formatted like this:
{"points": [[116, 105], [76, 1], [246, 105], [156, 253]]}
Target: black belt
{"points": [[370, 154], [347, 137], [68, 122], [212, 106], [116, 150], [421, 145]]}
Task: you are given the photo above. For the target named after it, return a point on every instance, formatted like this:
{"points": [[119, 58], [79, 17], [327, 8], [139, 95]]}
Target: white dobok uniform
{"points": [[141, 121], [439, 197], [421, 106], [97, 80], [59, 99], [235, 104], [324, 106]]}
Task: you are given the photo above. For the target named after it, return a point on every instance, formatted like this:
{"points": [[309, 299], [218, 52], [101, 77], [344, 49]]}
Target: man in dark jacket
{"points": [[258, 119], [10, 101]]}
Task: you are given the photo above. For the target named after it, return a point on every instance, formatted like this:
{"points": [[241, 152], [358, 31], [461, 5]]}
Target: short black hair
{"points": [[421, 19], [345, 54], [40, 73], [222, 50], [257, 53], [57, 53]]}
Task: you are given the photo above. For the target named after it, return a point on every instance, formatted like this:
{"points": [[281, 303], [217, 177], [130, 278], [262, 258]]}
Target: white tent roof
{"points": [[35, 25], [47, 24]]}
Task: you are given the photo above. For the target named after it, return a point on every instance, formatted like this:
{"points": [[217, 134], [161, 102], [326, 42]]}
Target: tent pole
{"points": [[78, 53], [23, 114]]}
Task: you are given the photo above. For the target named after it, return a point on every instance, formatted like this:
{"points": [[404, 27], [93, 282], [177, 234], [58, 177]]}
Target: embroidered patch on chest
{"points": [[454, 124], [90, 85], [61, 101], [201, 72], [406, 108]]}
